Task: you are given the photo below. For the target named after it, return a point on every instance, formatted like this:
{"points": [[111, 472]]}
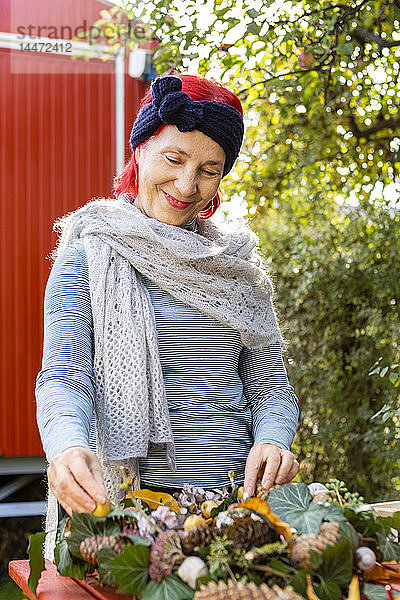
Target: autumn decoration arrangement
{"points": [[296, 542]]}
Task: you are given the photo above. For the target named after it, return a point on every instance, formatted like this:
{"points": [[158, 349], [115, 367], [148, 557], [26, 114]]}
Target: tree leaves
{"points": [[130, 569], [36, 560], [170, 588]]}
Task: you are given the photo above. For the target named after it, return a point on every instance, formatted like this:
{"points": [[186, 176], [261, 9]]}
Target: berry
{"points": [[102, 510], [365, 558]]}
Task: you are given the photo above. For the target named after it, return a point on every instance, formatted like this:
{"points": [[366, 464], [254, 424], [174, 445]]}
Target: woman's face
{"points": [[179, 173]]}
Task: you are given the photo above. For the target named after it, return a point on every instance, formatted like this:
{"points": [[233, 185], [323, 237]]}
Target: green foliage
{"points": [[105, 556], [130, 569], [170, 588], [67, 564], [85, 525], [293, 504], [328, 124], [338, 282], [36, 560], [332, 572], [377, 592]]}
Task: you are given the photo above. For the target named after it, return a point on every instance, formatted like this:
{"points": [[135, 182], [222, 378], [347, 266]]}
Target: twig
{"points": [[270, 571]]}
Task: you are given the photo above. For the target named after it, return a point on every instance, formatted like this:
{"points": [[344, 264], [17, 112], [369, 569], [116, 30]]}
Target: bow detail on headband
{"points": [[174, 106]]}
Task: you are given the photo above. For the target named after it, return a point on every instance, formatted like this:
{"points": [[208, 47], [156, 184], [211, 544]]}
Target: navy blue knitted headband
{"points": [[219, 121]]}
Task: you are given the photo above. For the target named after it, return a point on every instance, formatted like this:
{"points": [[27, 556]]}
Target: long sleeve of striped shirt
{"points": [[222, 397], [272, 399], [65, 384]]}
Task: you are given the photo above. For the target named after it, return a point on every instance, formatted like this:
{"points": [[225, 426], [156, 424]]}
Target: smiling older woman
{"points": [[162, 351]]}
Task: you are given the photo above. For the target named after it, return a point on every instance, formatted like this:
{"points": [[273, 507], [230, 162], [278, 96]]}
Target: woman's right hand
{"points": [[76, 479]]}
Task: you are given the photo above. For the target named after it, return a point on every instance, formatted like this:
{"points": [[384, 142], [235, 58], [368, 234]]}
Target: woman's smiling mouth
{"points": [[174, 202]]}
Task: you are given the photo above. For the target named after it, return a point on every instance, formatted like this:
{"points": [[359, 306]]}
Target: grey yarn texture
{"points": [[216, 270]]}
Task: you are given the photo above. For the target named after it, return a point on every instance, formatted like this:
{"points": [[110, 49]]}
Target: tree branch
{"points": [[360, 33], [379, 125]]}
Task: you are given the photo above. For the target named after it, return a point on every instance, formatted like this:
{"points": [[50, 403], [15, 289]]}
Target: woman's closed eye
{"points": [[177, 162]]}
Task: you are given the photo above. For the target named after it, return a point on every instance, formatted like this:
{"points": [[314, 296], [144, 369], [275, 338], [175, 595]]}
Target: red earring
{"points": [[210, 208]]}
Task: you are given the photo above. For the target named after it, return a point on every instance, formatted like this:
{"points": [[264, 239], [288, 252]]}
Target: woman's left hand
{"points": [[272, 464]]}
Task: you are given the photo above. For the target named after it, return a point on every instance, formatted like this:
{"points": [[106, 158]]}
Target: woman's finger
{"points": [[293, 471], [95, 467], [285, 467], [253, 464], [85, 477], [68, 492], [272, 465]]}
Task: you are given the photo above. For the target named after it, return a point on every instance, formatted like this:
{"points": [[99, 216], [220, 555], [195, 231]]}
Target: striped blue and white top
{"points": [[222, 397]]}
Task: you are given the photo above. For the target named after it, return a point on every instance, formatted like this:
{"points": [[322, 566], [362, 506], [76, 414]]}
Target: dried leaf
{"points": [[311, 595], [354, 588], [262, 508], [384, 572], [156, 499]]}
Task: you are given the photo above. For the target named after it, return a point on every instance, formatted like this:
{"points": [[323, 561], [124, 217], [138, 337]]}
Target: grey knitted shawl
{"points": [[215, 270]]}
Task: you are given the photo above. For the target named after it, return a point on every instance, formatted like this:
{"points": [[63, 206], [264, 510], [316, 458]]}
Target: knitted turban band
{"points": [[219, 121]]}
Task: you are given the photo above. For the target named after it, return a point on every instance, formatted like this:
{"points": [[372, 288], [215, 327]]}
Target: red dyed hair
{"points": [[198, 88]]}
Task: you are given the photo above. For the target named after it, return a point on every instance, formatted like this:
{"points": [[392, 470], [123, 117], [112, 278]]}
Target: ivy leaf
{"points": [[377, 592], [130, 569], [347, 531], [36, 559], [299, 582], [105, 556], [68, 565], [390, 550], [315, 560], [293, 503], [85, 525], [337, 563], [328, 591], [170, 588]]}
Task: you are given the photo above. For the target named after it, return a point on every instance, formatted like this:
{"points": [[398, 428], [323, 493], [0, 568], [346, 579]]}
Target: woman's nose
{"points": [[186, 183]]}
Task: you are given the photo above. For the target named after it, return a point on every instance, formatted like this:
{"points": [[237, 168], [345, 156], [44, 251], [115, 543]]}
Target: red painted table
{"points": [[56, 587]]}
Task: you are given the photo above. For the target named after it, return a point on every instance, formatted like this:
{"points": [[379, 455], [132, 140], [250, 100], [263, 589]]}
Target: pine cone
{"points": [[90, 546], [286, 593], [299, 550], [201, 536], [239, 591], [166, 553], [231, 591], [248, 533]]}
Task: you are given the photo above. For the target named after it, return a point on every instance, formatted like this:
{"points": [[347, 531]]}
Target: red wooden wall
{"points": [[57, 151]]}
